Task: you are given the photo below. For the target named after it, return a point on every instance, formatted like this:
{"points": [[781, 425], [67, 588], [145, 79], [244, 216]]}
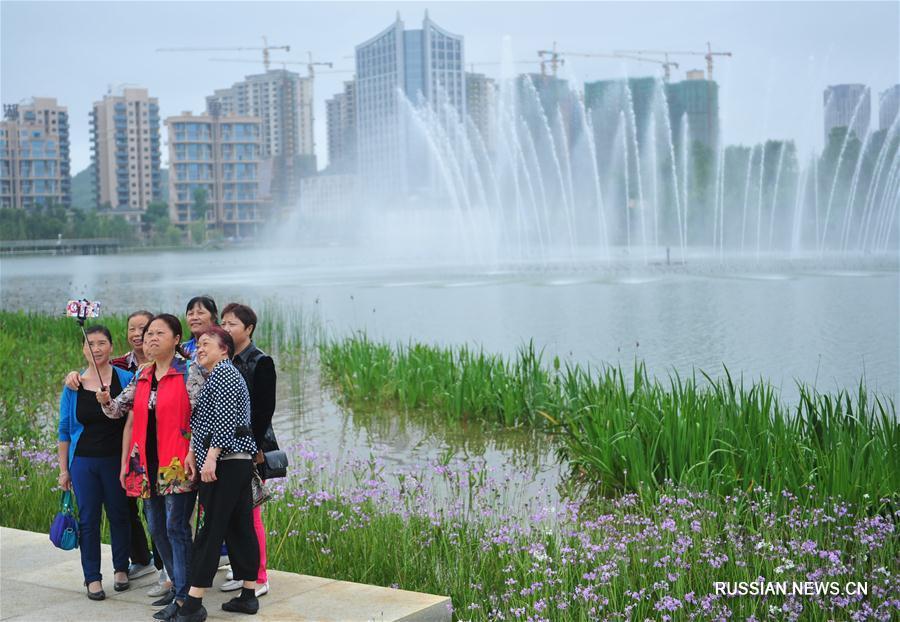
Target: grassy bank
{"points": [[37, 350], [641, 556], [619, 431]]}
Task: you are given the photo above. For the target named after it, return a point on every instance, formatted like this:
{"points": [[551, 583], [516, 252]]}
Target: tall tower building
{"points": [[841, 102], [34, 154], [423, 66], [481, 96], [126, 152], [888, 106], [341, 122], [283, 101], [219, 155]]}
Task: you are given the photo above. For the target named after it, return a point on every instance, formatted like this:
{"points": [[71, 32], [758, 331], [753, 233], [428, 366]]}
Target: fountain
{"points": [[557, 178]]}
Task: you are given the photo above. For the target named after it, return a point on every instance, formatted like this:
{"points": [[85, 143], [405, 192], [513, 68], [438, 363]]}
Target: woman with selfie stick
{"points": [[89, 454]]}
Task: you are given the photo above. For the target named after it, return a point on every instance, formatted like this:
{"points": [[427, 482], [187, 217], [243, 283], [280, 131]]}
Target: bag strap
{"points": [[65, 502]]}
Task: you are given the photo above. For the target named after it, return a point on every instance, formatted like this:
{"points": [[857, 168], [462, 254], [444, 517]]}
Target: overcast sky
{"points": [[785, 53]]}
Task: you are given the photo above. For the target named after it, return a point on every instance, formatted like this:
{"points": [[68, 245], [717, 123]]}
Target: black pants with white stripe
{"points": [[226, 514]]}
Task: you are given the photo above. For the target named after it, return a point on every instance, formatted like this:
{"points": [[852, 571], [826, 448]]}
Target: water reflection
{"points": [[308, 413]]}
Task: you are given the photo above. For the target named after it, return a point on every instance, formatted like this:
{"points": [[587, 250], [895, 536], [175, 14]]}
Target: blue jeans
{"points": [[96, 483], [169, 521]]}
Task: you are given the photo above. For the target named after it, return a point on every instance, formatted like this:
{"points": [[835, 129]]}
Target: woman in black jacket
{"points": [[258, 371]]}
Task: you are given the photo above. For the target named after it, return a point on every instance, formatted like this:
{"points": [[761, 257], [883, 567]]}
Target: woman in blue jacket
{"points": [[90, 449]]}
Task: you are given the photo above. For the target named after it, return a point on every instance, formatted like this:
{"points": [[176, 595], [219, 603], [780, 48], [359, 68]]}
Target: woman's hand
{"points": [[103, 396], [73, 380], [65, 480], [208, 472], [190, 466], [123, 471], [260, 457]]}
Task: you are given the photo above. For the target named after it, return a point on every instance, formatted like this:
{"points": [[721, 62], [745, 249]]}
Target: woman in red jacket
{"points": [[156, 445]]}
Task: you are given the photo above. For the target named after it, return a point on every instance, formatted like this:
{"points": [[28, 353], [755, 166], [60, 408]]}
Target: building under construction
{"points": [[695, 100]]}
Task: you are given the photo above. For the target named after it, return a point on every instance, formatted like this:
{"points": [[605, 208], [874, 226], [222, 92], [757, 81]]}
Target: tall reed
{"points": [[618, 430]]}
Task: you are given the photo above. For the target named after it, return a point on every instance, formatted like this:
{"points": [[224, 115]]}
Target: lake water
{"points": [[828, 322]]}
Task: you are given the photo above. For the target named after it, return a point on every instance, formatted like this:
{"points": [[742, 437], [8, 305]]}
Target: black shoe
{"points": [[165, 600], [236, 605], [121, 587], [168, 613], [197, 616], [101, 595]]}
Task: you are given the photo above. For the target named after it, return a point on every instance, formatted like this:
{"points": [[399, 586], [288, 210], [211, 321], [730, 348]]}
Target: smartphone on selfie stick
{"points": [[82, 310]]}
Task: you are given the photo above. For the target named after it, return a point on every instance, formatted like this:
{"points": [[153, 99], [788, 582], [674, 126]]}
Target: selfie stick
{"points": [[81, 317]]}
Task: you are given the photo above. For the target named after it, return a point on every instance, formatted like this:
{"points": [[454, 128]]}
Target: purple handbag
{"points": [[64, 528]]}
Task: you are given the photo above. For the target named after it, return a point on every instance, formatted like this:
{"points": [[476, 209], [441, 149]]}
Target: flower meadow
{"points": [[646, 548], [652, 554]]}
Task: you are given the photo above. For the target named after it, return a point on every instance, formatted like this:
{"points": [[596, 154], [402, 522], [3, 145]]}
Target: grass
{"points": [[619, 432]]}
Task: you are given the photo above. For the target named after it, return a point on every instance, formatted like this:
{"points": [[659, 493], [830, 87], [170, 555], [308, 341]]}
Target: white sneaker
{"points": [[136, 571], [231, 586], [223, 560], [229, 576], [163, 585], [262, 590]]}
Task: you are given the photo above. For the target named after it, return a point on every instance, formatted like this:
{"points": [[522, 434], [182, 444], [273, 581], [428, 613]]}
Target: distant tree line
{"points": [[53, 220]]}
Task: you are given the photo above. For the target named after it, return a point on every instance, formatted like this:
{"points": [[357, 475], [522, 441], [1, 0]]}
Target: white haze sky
{"points": [[785, 53]]}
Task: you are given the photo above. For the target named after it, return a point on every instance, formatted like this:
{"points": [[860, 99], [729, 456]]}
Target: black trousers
{"points": [[139, 550], [225, 513]]}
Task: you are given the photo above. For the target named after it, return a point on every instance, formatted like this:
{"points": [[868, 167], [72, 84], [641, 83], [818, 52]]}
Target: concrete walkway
{"points": [[42, 583]]}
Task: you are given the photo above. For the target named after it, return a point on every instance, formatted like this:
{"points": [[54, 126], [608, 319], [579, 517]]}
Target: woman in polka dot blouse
{"points": [[222, 448]]}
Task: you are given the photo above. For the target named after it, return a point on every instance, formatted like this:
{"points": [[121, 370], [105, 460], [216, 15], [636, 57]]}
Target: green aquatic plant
{"points": [[618, 430]]}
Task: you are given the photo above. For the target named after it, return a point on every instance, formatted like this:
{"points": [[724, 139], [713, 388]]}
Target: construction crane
{"points": [[484, 63], [557, 58], [265, 50], [708, 55], [310, 66]]}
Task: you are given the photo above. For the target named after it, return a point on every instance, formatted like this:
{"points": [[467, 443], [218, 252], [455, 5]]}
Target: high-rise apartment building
{"points": [[846, 105], [34, 154], [397, 69], [283, 101], [126, 152], [219, 156]]}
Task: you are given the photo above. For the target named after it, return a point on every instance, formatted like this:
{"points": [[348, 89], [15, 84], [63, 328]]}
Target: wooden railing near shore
{"points": [[61, 246]]}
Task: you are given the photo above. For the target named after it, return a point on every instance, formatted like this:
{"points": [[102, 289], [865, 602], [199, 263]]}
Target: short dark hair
{"points": [[97, 328], [221, 336], [142, 312], [174, 325], [207, 303], [245, 314]]}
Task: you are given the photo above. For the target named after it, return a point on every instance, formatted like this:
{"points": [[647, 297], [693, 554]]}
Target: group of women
{"points": [[173, 424]]}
